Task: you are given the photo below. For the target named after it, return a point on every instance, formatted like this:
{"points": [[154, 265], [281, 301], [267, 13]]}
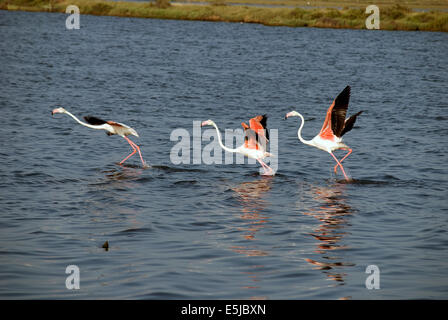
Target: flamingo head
{"points": [[291, 114], [58, 110], [207, 123]]}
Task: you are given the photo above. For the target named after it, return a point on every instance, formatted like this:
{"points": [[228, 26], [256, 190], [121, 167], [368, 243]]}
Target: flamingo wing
{"points": [[118, 124], [250, 139], [245, 126], [259, 125], [349, 123], [335, 120], [246, 135]]}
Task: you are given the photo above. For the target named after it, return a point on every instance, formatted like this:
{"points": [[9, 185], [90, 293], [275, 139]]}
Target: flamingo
{"points": [[335, 126], [255, 140], [111, 128]]}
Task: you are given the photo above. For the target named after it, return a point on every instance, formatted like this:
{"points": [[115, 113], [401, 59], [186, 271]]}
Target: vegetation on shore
{"points": [[417, 4], [394, 17]]}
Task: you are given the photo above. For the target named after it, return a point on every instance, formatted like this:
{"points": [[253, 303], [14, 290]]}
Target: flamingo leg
{"points": [[340, 165], [136, 148], [130, 155], [336, 166], [267, 169]]}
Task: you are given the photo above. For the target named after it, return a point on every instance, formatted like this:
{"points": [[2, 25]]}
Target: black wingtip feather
{"points": [[344, 97], [339, 111], [263, 122], [94, 121], [350, 123]]}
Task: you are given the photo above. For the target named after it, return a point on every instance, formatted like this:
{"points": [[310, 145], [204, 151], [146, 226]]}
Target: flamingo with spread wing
{"points": [[335, 126]]}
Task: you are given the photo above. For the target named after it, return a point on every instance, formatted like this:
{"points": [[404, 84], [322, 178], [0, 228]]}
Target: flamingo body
{"points": [[251, 153], [328, 144], [111, 127]]}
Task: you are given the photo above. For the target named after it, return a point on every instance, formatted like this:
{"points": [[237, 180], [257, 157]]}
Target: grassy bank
{"points": [[392, 17], [413, 4]]}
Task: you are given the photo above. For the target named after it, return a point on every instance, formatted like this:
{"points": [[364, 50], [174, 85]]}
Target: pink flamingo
{"points": [[255, 141], [335, 126], [111, 128]]}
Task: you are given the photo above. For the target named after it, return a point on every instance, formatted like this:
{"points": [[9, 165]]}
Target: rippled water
{"points": [[219, 231]]}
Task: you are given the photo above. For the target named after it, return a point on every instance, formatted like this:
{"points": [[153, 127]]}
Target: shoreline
{"points": [[392, 18], [426, 5]]}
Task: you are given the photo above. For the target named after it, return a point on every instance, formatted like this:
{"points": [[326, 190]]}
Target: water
{"points": [[199, 231]]}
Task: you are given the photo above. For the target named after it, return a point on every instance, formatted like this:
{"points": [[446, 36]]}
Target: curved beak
{"points": [[288, 115]]}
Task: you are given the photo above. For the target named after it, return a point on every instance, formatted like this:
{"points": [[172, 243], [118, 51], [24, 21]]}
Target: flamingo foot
{"points": [[267, 170], [345, 175], [267, 173]]}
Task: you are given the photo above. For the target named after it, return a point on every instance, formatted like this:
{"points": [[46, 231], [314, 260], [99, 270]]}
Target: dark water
{"points": [[219, 231]]}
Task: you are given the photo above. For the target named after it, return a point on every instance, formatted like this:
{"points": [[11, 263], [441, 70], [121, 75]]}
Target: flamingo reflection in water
{"points": [[332, 212], [250, 195], [252, 199]]}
